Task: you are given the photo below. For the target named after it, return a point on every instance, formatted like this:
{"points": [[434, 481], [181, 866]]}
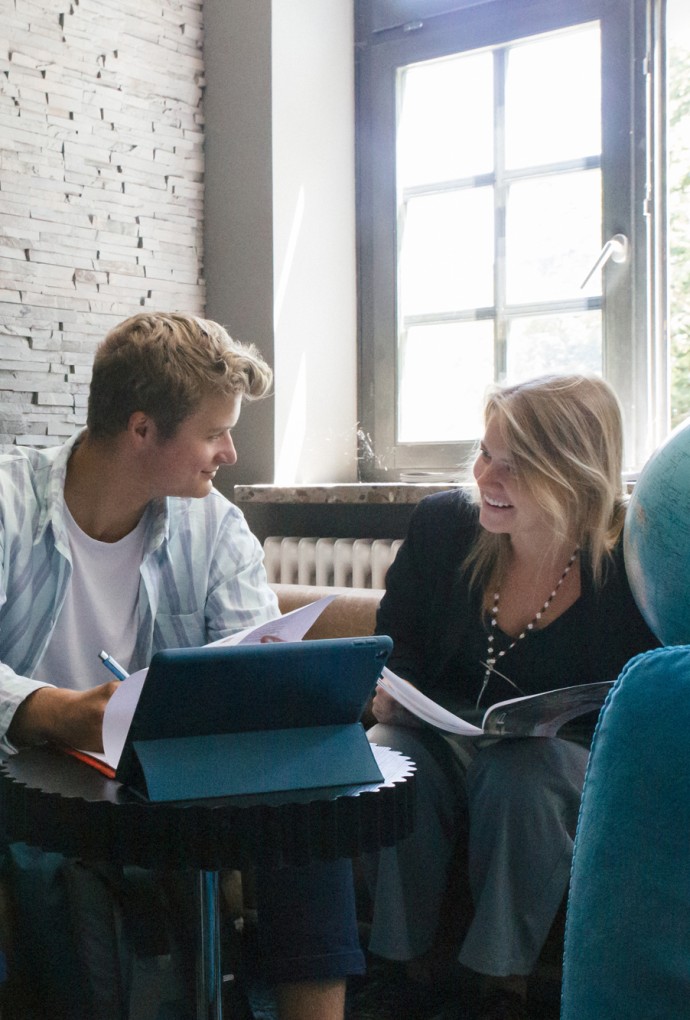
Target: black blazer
{"points": [[440, 637]]}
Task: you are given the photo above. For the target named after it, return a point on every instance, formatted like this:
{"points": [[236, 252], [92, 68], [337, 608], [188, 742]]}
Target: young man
{"points": [[119, 541]]}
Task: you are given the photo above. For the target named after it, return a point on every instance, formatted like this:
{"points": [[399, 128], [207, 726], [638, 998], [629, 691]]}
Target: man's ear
{"points": [[140, 427]]}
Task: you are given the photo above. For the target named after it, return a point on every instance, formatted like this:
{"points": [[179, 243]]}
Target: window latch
{"points": [[616, 249]]}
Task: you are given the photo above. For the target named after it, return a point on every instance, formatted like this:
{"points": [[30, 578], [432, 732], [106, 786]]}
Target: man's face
{"points": [[186, 465]]}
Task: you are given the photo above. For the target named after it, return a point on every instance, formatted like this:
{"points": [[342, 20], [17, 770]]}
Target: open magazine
{"points": [[120, 709], [533, 715]]}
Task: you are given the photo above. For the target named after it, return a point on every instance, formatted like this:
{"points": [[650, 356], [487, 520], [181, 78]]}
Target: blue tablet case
{"points": [[249, 719]]}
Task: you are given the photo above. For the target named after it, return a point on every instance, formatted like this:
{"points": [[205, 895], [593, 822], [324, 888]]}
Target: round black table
{"points": [[52, 801]]}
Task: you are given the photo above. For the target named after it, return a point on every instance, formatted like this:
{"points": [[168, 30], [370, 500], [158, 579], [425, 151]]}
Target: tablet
{"points": [[226, 720]]}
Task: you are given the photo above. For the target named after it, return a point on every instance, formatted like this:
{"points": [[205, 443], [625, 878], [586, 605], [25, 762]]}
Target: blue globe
{"points": [[656, 539]]}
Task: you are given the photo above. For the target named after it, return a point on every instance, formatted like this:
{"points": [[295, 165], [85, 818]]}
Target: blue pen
{"points": [[114, 667]]}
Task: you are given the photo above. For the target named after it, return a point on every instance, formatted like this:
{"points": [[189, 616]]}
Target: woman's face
{"points": [[507, 508]]}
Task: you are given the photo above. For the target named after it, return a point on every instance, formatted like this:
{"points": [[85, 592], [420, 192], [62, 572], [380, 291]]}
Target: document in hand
{"points": [[533, 715]]}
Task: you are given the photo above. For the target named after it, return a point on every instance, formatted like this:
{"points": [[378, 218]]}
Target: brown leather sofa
{"points": [[352, 614]]}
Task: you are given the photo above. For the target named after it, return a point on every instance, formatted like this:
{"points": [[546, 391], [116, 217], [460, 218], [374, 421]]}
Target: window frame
{"points": [[633, 351]]}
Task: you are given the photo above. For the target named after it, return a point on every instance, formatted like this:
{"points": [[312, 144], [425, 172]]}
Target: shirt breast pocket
{"points": [[180, 630]]}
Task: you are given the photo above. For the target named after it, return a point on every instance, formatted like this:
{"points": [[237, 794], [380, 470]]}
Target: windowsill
{"points": [[352, 492]]}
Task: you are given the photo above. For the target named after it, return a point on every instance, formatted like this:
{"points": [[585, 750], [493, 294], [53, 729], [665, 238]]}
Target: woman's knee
{"points": [[439, 777], [399, 738], [527, 773]]}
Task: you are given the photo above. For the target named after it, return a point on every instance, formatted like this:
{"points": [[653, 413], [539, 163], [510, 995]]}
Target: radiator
{"points": [[339, 562]]}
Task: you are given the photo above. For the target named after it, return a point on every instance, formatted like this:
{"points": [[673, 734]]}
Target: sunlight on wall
{"points": [[315, 306], [284, 263], [289, 448]]}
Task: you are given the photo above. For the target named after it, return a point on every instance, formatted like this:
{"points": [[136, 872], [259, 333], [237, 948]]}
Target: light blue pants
{"points": [[515, 803]]}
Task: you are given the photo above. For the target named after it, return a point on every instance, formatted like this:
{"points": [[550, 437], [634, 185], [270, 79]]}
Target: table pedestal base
{"points": [[209, 978]]}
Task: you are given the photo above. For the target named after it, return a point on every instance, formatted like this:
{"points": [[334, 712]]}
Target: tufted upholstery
{"points": [[627, 945]]}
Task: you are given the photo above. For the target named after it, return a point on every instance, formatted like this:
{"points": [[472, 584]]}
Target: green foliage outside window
{"points": [[679, 232]]}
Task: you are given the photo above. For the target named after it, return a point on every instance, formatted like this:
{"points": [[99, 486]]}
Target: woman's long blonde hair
{"points": [[565, 437]]}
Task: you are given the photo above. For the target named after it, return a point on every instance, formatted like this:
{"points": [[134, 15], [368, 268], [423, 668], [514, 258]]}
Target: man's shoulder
{"points": [[24, 464], [11, 456], [31, 481]]}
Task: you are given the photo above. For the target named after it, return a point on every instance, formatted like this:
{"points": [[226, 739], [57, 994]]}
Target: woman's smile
{"points": [[497, 504]]}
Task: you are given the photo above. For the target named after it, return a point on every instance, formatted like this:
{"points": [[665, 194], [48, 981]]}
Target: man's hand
{"points": [[389, 711], [62, 716]]}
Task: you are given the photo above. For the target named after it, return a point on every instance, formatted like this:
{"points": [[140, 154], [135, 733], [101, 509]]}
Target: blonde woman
{"points": [[520, 588]]}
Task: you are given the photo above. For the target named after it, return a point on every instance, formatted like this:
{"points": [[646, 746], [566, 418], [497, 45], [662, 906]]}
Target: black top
{"points": [[440, 636]]}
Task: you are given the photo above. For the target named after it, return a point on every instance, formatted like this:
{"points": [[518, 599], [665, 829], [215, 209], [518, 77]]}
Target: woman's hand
{"points": [[389, 711], [62, 716]]}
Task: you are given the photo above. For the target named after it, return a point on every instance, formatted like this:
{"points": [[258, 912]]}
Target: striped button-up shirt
{"points": [[201, 576]]}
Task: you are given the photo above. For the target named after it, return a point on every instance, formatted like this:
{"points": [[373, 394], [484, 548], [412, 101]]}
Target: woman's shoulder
{"points": [[454, 507], [613, 589], [445, 523]]}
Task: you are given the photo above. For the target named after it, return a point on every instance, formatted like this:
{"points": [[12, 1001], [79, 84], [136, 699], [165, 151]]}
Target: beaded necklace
{"points": [[493, 657]]}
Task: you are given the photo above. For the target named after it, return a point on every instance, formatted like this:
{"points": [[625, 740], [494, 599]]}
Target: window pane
{"points": [[553, 236], [553, 99], [443, 372], [446, 253], [540, 345], [445, 127]]}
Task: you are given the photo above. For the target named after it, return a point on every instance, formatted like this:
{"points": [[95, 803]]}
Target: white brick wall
{"points": [[101, 190]]}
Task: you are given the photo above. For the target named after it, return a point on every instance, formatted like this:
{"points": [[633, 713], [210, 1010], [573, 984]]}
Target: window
{"points": [[504, 222]]}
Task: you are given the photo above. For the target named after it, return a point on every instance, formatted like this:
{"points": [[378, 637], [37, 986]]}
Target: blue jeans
{"points": [[307, 929], [307, 923]]}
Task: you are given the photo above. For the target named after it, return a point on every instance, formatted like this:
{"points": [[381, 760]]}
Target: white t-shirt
{"points": [[99, 612]]}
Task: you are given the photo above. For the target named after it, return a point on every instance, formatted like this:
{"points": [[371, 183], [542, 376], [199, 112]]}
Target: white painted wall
{"points": [[315, 319]]}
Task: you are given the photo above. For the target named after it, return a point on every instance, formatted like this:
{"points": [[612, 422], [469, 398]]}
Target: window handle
{"points": [[616, 249]]}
